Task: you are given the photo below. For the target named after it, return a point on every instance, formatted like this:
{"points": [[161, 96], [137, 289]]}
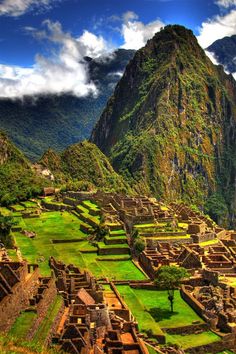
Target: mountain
{"points": [[83, 164], [80, 166], [18, 180], [170, 126], [224, 51], [36, 123]]}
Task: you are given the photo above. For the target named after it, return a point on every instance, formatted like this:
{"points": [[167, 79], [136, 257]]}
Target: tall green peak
{"points": [[169, 127]]}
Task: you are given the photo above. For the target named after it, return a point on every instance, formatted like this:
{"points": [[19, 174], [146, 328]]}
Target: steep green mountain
{"points": [[18, 181], [37, 123], [169, 127], [225, 52], [81, 164]]}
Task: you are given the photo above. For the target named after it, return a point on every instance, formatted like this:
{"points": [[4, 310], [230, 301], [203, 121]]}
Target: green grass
{"points": [[64, 225], [209, 243], [156, 304], [23, 324], [121, 245], [29, 204], [169, 237], [141, 226], [91, 205], [117, 232], [82, 209], [192, 340], [17, 207], [145, 321], [4, 211], [150, 349], [12, 254], [47, 322]]}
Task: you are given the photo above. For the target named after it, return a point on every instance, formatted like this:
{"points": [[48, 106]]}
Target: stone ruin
{"points": [[22, 288], [88, 324]]}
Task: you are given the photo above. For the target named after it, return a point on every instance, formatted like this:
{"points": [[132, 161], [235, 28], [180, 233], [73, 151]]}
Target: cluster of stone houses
{"points": [[90, 324]]}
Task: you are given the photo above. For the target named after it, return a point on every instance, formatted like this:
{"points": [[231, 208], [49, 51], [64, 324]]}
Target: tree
{"points": [[169, 278], [6, 223], [139, 245]]}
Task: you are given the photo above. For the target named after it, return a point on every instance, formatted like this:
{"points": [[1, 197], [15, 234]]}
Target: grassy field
{"points": [[65, 226], [156, 304], [42, 332], [151, 309], [23, 324], [192, 340]]}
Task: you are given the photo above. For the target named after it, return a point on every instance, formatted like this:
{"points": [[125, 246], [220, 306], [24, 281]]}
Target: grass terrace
{"points": [[17, 207], [209, 243], [29, 204], [152, 311], [157, 305], [192, 340], [22, 325], [65, 226], [5, 211], [90, 205], [45, 326]]}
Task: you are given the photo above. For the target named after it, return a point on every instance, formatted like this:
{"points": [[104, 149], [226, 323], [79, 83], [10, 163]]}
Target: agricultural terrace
{"points": [[151, 309], [22, 327], [59, 234]]}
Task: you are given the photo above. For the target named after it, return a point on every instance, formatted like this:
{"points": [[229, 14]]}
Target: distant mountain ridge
{"points": [[170, 126], [224, 51], [57, 121]]}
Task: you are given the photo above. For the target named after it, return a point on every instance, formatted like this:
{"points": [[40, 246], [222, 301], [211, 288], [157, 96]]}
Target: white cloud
{"points": [[19, 7], [136, 33], [226, 3], [216, 28], [212, 57], [63, 71]]}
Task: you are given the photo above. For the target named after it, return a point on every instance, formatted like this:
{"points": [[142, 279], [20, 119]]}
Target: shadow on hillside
{"points": [[160, 314]]}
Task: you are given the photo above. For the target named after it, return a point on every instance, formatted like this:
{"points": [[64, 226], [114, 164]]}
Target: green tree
{"points": [[169, 278], [6, 223], [139, 245]]}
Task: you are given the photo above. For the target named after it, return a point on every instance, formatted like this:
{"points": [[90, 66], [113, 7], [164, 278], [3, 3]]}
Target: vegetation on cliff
{"points": [[169, 128], [83, 165], [17, 179]]}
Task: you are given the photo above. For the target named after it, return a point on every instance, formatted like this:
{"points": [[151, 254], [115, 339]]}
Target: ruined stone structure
{"points": [[21, 288], [90, 323]]}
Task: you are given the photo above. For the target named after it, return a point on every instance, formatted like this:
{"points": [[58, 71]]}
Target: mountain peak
{"points": [[165, 126]]}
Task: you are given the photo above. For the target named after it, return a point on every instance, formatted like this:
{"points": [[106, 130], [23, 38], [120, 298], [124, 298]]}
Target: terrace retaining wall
{"points": [[192, 302]]}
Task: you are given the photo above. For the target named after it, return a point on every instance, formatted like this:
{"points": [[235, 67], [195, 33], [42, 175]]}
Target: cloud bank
{"points": [[63, 71], [219, 26], [19, 7]]}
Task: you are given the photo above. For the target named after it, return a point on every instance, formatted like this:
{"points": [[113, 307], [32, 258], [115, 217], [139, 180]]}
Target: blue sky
{"points": [[39, 37]]}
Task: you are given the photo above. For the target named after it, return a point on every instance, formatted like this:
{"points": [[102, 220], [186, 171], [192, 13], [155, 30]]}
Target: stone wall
{"points": [[18, 299], [192, 302]]}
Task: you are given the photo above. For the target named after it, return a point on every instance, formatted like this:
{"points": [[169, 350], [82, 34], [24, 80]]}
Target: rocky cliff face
{"points": [[169, 128]]}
